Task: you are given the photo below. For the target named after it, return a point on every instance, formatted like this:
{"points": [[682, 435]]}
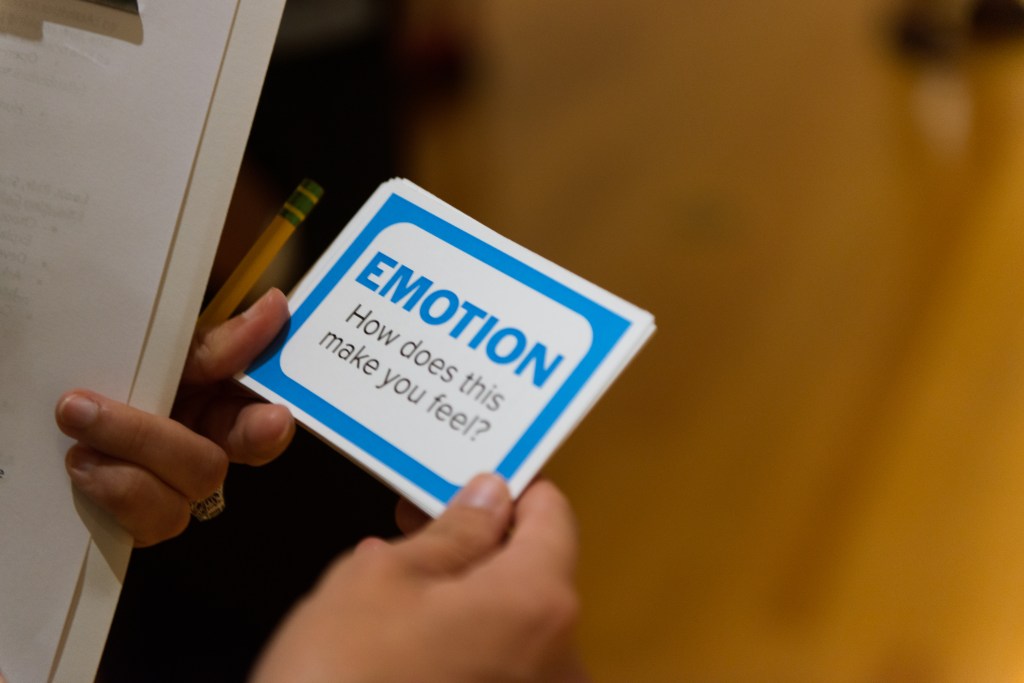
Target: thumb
{"points": [[472, 527]]}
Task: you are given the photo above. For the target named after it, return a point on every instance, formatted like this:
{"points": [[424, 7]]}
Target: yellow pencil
{"points": [[260, 255], [245, 275]]}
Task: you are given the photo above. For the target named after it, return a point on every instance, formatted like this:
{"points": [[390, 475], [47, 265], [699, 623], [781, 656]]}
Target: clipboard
{"points": [[238, 76]]}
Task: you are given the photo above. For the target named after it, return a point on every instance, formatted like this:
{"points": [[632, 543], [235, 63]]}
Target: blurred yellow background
{"points": [[814, 471]]}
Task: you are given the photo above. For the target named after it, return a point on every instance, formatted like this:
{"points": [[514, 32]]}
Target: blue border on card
{"points": [[608, 328]]}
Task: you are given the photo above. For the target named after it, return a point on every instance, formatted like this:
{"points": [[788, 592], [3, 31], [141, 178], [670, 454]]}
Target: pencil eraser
{"points": [[429, 348]]}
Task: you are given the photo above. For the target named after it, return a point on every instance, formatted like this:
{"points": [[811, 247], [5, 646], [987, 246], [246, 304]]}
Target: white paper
{"points": [[102, 113]]}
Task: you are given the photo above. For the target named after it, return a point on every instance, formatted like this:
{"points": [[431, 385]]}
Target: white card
{"points": [[429, 348]]}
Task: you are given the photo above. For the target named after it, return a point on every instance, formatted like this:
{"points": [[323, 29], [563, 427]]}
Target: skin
{"points": [[484, 593], [144, 469]]}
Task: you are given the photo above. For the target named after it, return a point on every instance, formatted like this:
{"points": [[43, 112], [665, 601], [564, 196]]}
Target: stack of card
{"points": [[429, 348]]}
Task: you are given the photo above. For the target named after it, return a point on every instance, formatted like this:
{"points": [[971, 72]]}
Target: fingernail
{"points": [[484, 491], [81, 462], [254, 308], [78, 412]]}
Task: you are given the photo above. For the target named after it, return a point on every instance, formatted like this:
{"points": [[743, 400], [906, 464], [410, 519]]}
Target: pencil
{"points": [[261, 254], [242, 279]]}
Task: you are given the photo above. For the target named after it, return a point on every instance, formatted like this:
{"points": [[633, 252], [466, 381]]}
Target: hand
{"points": [[144, 469], [463, 600]]}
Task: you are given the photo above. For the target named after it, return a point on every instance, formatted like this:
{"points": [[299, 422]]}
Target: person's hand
{"points": [[144, 469], [484, 593]]}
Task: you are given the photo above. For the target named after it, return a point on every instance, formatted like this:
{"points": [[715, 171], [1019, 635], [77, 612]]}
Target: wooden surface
{"points": [[815, 470]]}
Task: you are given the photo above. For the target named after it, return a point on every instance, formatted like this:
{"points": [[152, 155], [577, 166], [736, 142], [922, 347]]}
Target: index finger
{"points": [[183, 459], [544, 532]]}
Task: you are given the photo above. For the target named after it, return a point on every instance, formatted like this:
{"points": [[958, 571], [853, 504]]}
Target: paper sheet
{"points": [[102, 113]]}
